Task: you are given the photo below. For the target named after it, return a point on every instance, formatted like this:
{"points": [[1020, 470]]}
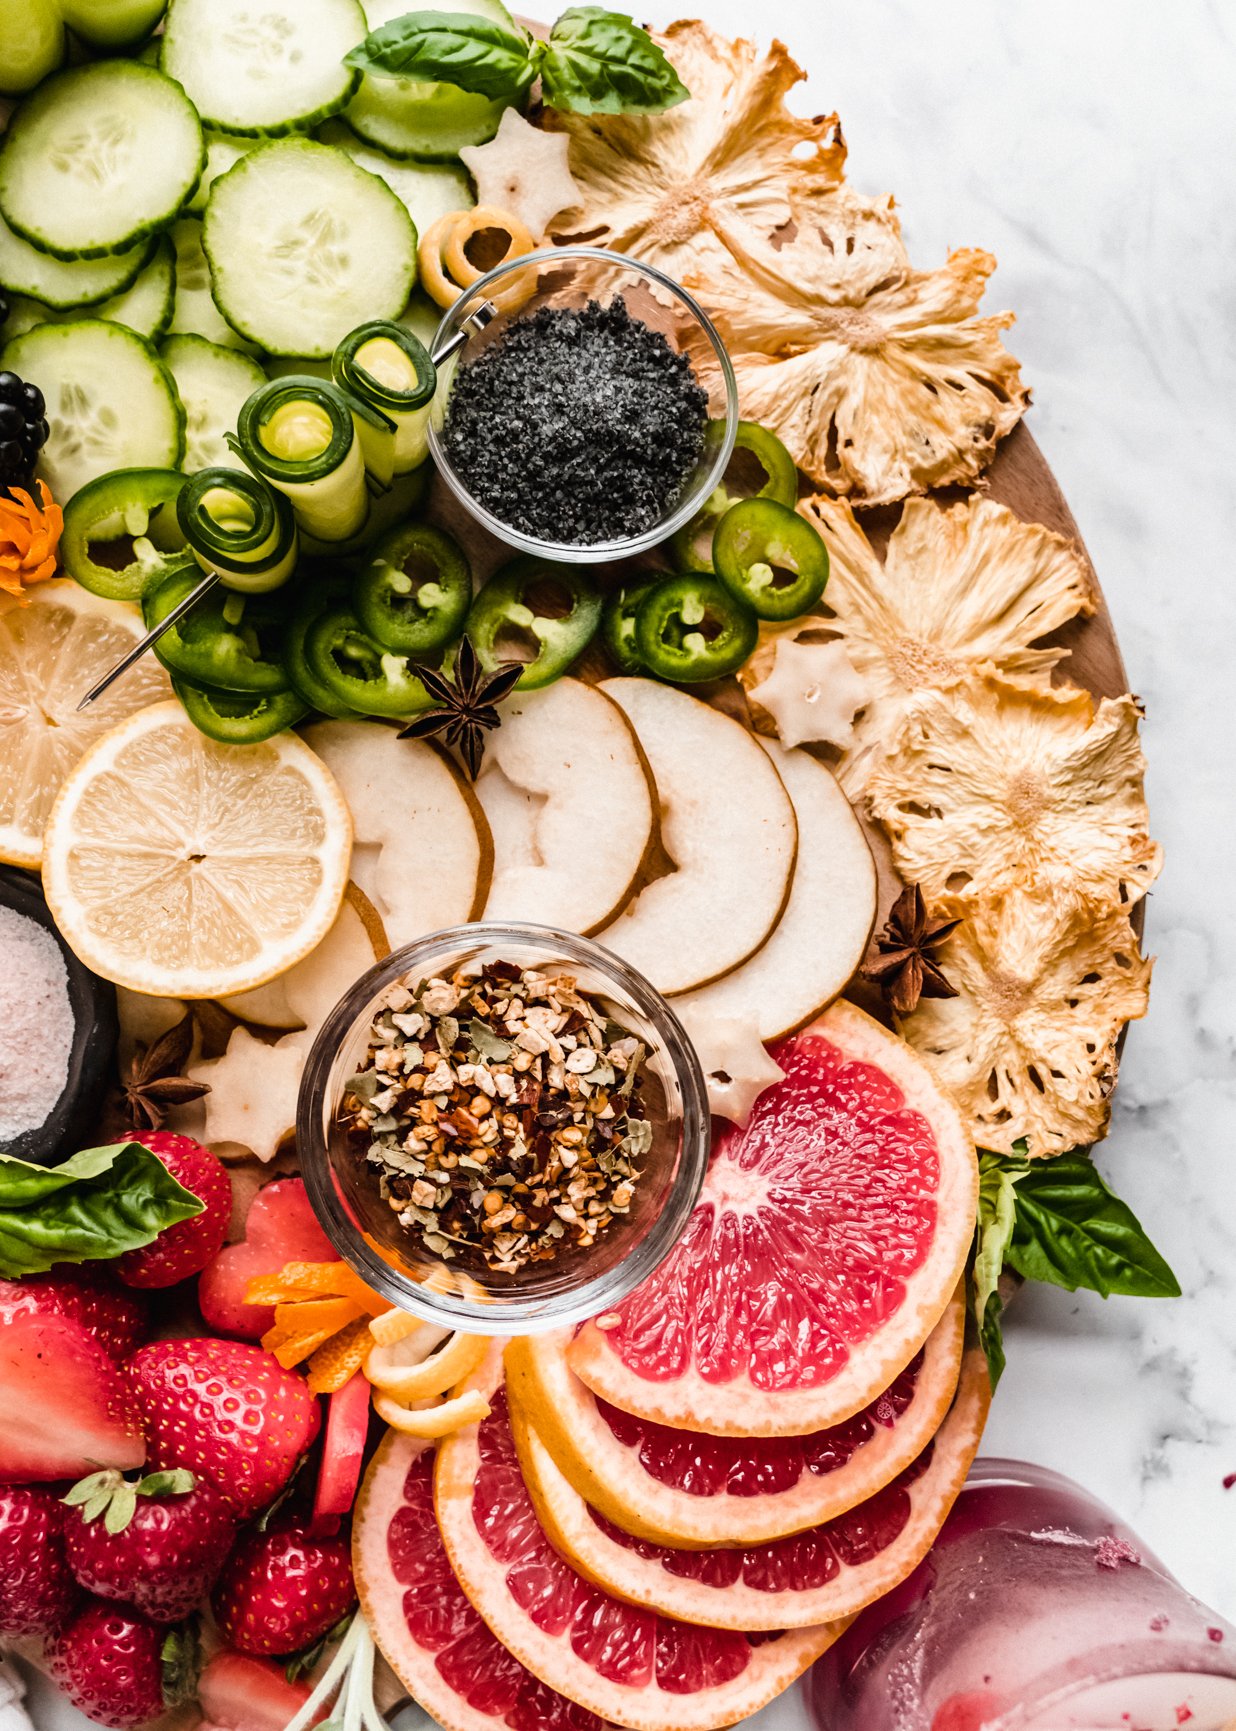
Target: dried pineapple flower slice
{"points": [[960, 587], [1045, 984], [1007, 784], [672, 189], [905, 389]]}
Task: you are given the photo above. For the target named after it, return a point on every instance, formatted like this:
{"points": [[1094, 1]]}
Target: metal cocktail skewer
{"points": [[476, 321]]}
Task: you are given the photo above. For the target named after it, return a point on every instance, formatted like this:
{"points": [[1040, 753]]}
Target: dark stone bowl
{"points": [[70, 1123]]}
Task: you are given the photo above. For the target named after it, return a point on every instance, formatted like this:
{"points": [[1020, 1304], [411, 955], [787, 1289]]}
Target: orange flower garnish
{"points": [[29, 537]]}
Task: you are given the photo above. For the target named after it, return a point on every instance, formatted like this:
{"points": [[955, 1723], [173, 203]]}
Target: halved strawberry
{"points": [[343, 1453], [281, 1227], [67, 1408], [117, 1318], [241, 1693]]}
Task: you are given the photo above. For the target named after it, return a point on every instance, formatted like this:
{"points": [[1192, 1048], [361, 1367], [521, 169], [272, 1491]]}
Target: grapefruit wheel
{"points": [[822, 1575], [619, 1661], [829, 1236], [430, 1636], [692, 1490]]}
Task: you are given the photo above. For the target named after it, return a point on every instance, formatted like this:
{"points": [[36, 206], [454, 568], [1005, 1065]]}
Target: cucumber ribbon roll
{"points": [[238, 527], [383, 367], [299, 435]]}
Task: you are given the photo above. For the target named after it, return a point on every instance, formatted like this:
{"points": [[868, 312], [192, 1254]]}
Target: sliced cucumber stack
{"points": [[409, 118], [427, 190], [98, 159], [111, 401], [214, 384], [195, 313], [303, 246], [60, 284], [223, 151], [145, 308], [263, 67]]}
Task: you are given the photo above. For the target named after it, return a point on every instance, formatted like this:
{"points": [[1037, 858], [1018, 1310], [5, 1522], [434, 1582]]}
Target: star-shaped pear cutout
{"points": [[524, 171], [813, 693], [253, 1089], [737, 1068]]}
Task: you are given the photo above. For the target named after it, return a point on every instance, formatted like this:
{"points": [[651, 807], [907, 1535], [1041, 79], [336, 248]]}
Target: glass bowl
{"points": [[569, 276], [578, 1284]]}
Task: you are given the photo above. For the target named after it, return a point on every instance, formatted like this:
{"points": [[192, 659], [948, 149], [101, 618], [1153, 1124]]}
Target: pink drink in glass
{"points": [[1037, 1610]]}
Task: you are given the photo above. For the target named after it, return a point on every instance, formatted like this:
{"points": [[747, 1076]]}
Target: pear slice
{"points": [[422, 851], [572, 807], [826, 927], [727, 829]]}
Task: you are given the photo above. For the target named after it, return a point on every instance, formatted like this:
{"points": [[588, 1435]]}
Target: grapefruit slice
{"points": [[620, 1661], [829, 1236], [418, 1614], [828, 1572], [689, 1489]]}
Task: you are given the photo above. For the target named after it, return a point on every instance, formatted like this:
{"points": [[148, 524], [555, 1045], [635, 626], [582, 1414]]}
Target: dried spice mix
{"points": [[502, 1115]]}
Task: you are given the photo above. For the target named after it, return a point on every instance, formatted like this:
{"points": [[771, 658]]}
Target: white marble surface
{"points": [[1089, 144]]}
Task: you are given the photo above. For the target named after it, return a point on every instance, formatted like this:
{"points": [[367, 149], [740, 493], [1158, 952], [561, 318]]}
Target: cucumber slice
{"points": [[222, 152], [214, 384], [112, 24], [407, 117], [427, 190], [99, 158], [111, 402], [263, 67], [26, 271], [196, 314], [146, 308], [303, 245]]}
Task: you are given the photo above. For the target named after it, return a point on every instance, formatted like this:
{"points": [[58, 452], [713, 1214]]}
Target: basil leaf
{"points": [[600, 62], [1071, 1231], [452, 48], [99, 1204]]}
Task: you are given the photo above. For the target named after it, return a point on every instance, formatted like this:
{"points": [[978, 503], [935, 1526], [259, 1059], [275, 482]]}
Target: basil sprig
{"points": [[97, 1205], [595, 62], [1056, 1221]]}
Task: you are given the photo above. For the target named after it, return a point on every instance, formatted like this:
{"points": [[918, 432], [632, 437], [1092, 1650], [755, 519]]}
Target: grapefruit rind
{"points": [[644, 1580], [547, 1397], [738, 1406], [773, 1662]]}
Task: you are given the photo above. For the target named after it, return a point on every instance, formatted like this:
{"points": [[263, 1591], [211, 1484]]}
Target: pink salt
{"points": [[36, 1024]]}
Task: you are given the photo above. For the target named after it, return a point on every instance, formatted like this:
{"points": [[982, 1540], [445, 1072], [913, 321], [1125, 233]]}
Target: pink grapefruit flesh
{"points": [[830, 1234], [686, 1488]]}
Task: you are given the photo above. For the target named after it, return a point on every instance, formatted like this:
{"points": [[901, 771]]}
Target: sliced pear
{"points": [[826, 927], [422, 851], [728, 829], [571, 805]]}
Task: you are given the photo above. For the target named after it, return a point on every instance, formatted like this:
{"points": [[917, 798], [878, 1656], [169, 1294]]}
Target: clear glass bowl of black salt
{"points": [[595, 412]]}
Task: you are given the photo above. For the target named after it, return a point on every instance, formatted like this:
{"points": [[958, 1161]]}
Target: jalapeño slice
{"points": [[770, 558], [227, 639], [356, 670], [414, 593], [760, 468], [537, 612], [238, 717], [690, 628]]}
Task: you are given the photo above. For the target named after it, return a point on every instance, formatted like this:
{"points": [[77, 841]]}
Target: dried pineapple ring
{"points": [[432, 1421], [457, 1359], [446, 269]]}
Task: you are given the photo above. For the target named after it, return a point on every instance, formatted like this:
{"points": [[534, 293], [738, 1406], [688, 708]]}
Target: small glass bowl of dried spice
{"points": [[593, 415], [503, 1128]]}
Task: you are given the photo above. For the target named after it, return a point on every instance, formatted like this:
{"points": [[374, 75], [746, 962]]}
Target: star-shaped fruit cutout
{"points": [[524, 171], [813, 692], [253, 1089], [736, 1066]]}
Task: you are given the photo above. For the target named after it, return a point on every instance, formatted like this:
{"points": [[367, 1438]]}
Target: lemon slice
{"points": [[52, 650], [188, 869]]}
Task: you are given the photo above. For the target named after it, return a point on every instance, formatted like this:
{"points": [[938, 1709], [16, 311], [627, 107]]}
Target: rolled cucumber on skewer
{"points": [[238, 527], [382, 365], [299, 434]]}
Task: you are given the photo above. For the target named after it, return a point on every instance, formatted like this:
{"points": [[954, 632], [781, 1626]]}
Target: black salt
{"points": [[577, 426]]}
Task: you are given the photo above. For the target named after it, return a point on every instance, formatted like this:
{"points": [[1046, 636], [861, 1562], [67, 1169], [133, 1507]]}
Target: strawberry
{"points": [[229, 1412], [37, 1591], [116, 1666], [117, 1318], [187, 1247], [157, 1544], [67, 1408], [283, 1589], [281, 1227], [239, 1693]]}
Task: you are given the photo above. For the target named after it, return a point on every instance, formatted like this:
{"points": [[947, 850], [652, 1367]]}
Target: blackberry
{"points": [[23, 431]]}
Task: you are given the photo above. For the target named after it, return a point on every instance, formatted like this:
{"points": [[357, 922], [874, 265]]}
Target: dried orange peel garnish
{"points": [[29, 537], [432, 1421], [433, 1375], [322, 1313]]}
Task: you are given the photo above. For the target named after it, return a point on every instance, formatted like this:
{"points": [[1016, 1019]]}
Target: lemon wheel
{"points": [[183, 868]]}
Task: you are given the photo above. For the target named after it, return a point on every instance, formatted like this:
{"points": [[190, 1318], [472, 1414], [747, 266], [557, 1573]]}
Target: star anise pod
{"points": [[464, 707], [906, 968], [153, 1082]]}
